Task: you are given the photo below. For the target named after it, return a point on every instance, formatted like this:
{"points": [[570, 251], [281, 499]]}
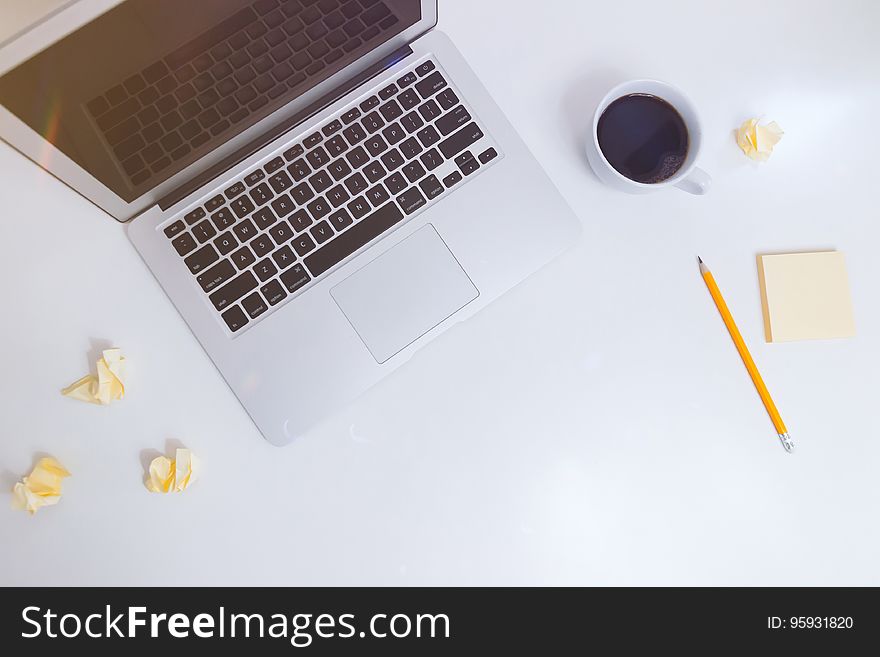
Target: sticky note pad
{"points": [[805, 296]]}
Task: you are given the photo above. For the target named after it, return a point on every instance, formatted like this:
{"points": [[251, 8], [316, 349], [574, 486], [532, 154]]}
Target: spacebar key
{"points": [[346, 243]]}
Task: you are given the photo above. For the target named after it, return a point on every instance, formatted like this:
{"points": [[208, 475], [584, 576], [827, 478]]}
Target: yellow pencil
{"points": [[787, 442]]}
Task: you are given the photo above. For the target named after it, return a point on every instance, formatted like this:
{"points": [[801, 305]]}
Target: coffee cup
{"points": [[646, 136]]}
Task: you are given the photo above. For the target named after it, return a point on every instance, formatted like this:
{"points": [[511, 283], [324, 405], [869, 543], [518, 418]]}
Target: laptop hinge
{"points": [[285, 126]]}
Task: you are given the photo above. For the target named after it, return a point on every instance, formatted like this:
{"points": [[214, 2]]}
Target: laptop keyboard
{"points": [[283, 225], [244, 65]]}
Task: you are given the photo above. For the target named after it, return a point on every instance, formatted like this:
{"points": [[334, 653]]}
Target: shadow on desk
{"points": [[580, 101]]}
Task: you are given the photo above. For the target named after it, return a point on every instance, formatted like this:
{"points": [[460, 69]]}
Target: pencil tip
{"points": [[700, 260]]}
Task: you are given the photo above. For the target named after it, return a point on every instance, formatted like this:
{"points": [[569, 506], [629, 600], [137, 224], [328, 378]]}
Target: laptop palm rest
{"points": [[404, 293]]}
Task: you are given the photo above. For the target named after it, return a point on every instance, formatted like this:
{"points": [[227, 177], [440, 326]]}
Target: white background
{"points": [[593, 426]]}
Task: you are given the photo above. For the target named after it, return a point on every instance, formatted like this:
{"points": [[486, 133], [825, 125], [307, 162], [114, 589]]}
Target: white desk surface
{"points": [[593, 426]]}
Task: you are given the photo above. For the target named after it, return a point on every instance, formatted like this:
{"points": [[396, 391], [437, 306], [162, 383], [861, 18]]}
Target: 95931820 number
{"points": [[810, 623]]}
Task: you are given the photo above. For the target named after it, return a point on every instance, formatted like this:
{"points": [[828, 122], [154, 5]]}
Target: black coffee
{"points": [[643, 137]]}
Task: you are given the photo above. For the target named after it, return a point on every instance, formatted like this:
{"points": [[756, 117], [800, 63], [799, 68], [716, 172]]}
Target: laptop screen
{"points": [[151, 86]]}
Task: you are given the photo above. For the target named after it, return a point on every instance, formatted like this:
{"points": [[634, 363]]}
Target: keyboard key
{"points": [[254, 177], [410, 148], [312, 140], [390, 110], [460, 140], [281, 232], [332, 127], [406, 80], [412, 122], [294, 278], [396, 183], [242, 206], [387, 92], [192, 217], [453, 120], [464, 157], [261, 245], [201, 259], [393, 133], [369, 103], [429, 110], [234, 190], [283, 205], [488, 154], [337, 196], [243, 258], [264, 217], [273, 165], [216, 275], [372, 122], [293, 152], [321, 181], [302, 193], [413, 171], [339, 219], [283, 257], [254, 305], [274, 292], [300, 220], [233, 290], [355, 183], [299, 169], [265, 269], [336, 145], [430, 85], [351, 115], [447, 99], [411, 200], [409, 99], [303, 244], [261, 194], [339, 169], [214, 203], [174, 229], [225, 243], [376, 145], [377, 195], [318, 208], [234, 318], [424, 68], [280, 181], [392, 159], [223, 218], [318, 157], [352, 239], [245, 230], [321, 232], [155, 72], [359, 207], [431, 186], [431, 159], [184, 244], [354, 133], [452, 178], [358, 157], [374, 171], [467, 163], [204, 231]]}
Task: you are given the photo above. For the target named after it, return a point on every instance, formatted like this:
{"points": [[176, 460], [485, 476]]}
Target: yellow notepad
{"points": [[805, 296]]}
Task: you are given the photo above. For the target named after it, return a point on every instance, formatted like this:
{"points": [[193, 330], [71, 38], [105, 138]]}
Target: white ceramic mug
{"points": [[689, 177]]}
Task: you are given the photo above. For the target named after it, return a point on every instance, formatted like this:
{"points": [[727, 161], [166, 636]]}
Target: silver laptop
{"points": [[320, 186]]}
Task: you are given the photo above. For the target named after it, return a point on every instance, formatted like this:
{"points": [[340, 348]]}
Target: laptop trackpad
{"points": [[404, 293]]}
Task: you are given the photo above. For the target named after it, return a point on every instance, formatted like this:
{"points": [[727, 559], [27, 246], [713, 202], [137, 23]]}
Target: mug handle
{"points": [[697, 182]]}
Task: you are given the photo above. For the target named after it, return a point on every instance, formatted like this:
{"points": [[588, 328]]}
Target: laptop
{"points": [[321, 187]]}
